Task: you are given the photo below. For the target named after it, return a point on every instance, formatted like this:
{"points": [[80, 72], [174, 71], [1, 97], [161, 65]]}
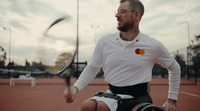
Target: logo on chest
{"points": [[139, 51]]}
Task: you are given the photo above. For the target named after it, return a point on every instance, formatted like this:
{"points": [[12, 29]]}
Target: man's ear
{"points": [[137, 15]]}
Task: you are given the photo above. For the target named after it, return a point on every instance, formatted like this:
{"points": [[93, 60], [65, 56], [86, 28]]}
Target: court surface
{"points": [[45, 97]]}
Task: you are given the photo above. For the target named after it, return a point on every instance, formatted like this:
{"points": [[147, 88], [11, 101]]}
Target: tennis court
{"points": [[47, 95]]}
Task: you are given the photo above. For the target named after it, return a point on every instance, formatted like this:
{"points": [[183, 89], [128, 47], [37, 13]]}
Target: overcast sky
{"points": [[164, 20]]}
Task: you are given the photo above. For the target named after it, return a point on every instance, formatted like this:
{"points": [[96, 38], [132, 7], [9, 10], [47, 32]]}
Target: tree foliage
{"points": [[64, 57], [196, 51], [181, 62], [2, 57]]}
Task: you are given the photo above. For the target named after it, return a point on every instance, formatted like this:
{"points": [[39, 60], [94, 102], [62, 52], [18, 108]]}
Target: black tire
{"points": [[151, 108]]}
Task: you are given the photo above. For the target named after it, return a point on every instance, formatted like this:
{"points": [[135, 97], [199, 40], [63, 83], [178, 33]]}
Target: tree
{"points": [[63, 58], [197, 37], [159, 71], [38, 66], [180, 60], [2, 57], [27, 63], [196, 49]]}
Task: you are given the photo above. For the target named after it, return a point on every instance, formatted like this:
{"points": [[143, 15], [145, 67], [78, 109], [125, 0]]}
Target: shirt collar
{"points": [[119, 40]]}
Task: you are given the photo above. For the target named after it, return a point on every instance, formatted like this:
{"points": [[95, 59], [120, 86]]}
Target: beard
{"points": [[126, 26]]}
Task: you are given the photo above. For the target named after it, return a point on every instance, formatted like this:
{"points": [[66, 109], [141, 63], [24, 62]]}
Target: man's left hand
{"points": [[170, 105]]}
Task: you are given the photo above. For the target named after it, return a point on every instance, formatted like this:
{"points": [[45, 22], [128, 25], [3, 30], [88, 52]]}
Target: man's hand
{"points": [[170, 105], [70, 93]]}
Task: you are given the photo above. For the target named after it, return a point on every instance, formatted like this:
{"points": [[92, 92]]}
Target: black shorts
{"points": [[129, 104]]}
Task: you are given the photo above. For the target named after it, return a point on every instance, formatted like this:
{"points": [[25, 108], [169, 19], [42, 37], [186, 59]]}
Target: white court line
{"points": [[190, 94]]}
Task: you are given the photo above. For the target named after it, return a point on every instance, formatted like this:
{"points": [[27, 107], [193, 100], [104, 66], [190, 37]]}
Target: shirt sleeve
{"points": [[174, 80], [91, 70], [164, 58]]}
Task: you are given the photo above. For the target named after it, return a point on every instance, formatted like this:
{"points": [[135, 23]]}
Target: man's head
{"points": [[135, 5], [129, 14]]}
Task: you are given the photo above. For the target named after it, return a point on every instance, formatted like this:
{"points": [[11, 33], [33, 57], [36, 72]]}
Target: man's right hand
{"points": [[170, 105], [70, 93]]}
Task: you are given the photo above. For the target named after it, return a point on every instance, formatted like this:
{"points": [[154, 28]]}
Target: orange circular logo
{"points": [[140, 51]]}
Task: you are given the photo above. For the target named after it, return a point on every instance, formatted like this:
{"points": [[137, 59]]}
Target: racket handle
{"points": [[68, 83]]}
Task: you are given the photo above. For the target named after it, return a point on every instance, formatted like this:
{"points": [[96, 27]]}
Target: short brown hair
{"points": [[135, 5]]}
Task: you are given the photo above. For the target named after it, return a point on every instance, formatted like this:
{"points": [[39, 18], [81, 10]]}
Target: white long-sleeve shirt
{"points": [[129, 63]]}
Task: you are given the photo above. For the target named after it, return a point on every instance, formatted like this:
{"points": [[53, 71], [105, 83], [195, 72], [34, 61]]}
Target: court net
{"points": [[96, 81], [44, 78]]}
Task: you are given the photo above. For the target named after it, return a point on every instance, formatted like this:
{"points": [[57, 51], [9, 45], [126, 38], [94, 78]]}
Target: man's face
{"points": [[125, 17]]}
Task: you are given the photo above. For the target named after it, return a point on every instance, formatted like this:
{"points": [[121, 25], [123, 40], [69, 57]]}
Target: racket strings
{"points": [[62, 62]]}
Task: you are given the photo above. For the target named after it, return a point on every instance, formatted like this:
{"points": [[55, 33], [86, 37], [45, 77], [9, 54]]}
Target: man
{"points": [[127, 59]]}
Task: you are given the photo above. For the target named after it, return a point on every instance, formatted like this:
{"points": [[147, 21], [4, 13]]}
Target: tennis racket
{"points": [[59, 48]]}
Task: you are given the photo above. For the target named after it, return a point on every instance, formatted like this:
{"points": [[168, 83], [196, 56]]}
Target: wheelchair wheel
{"points": [[151, 108]]}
